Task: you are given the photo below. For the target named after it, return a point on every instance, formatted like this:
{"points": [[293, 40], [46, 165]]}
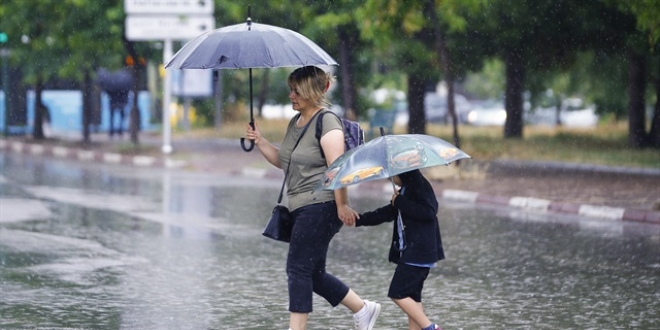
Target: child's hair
{"points": [[311, 84], [409, 176]]}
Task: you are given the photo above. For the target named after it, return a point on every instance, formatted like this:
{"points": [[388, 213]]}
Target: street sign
{"points": [[168, 6], [192, 83], [161, 27]]}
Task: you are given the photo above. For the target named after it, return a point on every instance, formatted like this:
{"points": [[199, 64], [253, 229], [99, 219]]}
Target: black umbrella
{"points": [[116, 81], [246, 46]]}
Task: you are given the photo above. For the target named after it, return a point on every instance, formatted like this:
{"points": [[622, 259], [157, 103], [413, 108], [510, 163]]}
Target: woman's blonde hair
{"points": [[311, 83]]}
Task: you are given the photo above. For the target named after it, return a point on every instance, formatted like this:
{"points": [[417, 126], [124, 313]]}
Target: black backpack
{"points": [[353, 133]]}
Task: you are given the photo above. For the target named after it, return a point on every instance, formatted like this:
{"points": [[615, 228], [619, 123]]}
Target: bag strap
{"points": [[319, 129], [286, 174]]}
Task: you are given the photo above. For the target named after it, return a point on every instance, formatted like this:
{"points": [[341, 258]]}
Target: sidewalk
{"points": [[608, 193]]}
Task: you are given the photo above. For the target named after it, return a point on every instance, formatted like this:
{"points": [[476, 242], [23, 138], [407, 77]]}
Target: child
{"points": [[416, 243]]}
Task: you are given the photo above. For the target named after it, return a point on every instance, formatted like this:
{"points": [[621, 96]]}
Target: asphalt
{"points": [[602, 192]]}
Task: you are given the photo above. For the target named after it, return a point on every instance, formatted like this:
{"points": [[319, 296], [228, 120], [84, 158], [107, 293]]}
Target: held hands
{"points": [[347, 215]]}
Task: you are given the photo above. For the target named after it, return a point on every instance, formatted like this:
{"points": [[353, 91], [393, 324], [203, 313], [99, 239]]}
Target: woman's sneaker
{"points": [[367, 319]]}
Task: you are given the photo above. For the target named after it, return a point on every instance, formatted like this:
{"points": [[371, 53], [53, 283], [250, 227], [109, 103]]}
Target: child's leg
{"points": [[417, 320], [406, 292]]}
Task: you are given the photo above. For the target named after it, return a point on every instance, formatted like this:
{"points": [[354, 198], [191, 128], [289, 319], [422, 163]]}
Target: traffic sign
{"points": [[161, 27], [168, 6], [192, 83]]}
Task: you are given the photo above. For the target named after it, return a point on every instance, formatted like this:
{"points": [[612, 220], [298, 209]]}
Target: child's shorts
{"points": [[408, 282]]}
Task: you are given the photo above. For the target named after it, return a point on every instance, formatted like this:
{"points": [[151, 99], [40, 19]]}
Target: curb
{"points": [[527, 203], [544, 205], [88, 155]]}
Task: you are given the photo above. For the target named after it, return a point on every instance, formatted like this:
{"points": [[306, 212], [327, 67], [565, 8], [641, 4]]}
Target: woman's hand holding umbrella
{"points": [[253, 134], [267, 149]]}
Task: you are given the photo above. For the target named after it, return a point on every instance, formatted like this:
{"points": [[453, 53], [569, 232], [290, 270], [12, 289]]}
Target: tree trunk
{"points": [[558, 105], [86, 105], [654, 134], [39, 109], [134, 124], [636, 86], [513, 102], [217, 77], [417, 117], [346, 42], [445, 61]]}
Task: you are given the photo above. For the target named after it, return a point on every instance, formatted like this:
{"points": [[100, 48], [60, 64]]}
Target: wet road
{"points": [[101, 247]]}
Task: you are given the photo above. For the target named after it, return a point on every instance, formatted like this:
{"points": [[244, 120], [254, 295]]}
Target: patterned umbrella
{"points": [[387, 156]]}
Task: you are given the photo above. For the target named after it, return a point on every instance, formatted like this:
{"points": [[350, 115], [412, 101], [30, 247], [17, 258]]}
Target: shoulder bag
{"points": [[280, 223]]}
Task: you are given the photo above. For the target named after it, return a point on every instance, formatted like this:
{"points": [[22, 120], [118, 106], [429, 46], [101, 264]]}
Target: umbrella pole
{"points": [[382, 133], [248, 149]]}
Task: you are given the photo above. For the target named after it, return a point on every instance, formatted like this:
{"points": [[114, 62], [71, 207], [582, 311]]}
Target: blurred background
{"points": [[79, 66]]}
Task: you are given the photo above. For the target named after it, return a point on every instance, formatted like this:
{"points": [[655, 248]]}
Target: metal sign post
{"points": [[167, 20], [4, 53], [167, 92]]}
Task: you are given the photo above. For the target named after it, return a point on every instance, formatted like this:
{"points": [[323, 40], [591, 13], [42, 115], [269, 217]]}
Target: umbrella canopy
{"points": [[116, 81], [387, 156], [249, 45]]}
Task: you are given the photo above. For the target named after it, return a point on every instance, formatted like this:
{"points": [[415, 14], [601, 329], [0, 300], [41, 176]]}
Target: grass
{"points": [[606, 144]]}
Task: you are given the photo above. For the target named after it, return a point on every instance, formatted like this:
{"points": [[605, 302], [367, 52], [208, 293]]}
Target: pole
{"points": [[4, 52], [218, 98], [167, 134]]}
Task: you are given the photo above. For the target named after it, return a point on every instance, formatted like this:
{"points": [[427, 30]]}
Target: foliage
{"points": [[487, 83], [647, 13], [571, 47]]}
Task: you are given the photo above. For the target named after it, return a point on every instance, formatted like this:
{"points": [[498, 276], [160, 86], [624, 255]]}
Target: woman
{"points": [[318, 215]]}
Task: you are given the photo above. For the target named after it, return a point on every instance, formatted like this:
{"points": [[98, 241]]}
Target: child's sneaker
{"points": [[367, 320]]}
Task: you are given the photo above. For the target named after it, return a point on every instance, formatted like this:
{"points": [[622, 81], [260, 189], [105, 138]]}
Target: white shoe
{"points": [[367, 321]]}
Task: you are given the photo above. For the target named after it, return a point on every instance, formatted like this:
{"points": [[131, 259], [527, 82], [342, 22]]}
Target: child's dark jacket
{"points": [[419, 209]]}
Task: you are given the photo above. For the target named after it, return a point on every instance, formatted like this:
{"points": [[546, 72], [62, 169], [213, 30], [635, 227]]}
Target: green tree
{"points": [[419, 38], [36, 46], [642, 53], [93, 34], [65, 39], [336, 26], [531, 36]]}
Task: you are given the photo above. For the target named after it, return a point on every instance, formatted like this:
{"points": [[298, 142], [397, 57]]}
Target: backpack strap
{"points": [[319, 128]]}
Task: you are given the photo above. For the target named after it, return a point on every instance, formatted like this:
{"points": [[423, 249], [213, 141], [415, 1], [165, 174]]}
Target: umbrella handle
{"points": [[248, 149]]}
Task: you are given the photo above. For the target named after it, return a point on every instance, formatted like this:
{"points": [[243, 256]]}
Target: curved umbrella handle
{"points": [[248, 149]]}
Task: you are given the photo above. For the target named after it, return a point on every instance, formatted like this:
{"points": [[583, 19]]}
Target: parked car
{"points": [[435, 107], [573, 113], [486, 113]]}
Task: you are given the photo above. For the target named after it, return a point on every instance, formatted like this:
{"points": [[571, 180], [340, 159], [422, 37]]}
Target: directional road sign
{"points": [[161, 27], [168, 6]]}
